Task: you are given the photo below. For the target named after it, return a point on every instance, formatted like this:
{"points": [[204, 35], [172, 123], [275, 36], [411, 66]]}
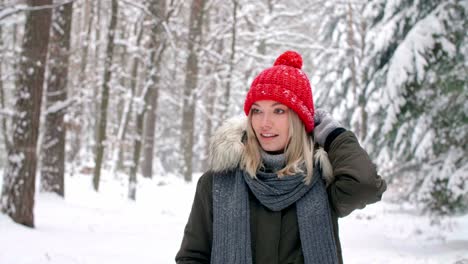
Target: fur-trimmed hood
{"points": [[227, 148]]}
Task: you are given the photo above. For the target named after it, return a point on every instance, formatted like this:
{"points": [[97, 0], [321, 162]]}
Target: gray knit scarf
{"points": [[231, 213]]}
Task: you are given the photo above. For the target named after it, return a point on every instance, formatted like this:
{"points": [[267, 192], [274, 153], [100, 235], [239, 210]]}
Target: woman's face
{"points": [[270, 122]]}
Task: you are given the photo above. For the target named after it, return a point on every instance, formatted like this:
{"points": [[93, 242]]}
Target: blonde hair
{"points": [[298, 152]]}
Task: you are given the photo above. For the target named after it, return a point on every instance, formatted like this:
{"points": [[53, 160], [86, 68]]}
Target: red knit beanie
{"points": [[286, 83]]}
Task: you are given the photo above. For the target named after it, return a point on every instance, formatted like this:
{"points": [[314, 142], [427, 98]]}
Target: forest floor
{"points": [[95, 228]]}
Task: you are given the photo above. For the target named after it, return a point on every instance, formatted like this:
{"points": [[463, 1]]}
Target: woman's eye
{"points": [[255, 111], [280, 111]]}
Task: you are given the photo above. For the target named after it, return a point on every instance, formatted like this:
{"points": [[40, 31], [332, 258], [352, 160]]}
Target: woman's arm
{"points": [[196, 244], [356, 181]]}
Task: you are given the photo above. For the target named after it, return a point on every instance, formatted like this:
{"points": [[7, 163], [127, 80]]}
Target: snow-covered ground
{"points": [[105, 227]]}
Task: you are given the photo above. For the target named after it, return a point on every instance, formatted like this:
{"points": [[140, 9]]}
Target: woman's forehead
{"points": [[268, 103]]}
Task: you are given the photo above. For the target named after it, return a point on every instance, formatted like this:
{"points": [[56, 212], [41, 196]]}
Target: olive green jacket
{"points": [[275, 235]]}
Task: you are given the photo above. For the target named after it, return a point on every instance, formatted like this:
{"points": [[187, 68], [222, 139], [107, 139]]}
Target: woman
{"points": [[278, 181]]}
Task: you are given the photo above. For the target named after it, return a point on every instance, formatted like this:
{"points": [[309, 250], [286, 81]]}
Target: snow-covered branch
{"points": [[60, 106]]}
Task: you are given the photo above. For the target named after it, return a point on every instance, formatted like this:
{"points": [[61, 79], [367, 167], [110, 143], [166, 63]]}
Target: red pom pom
{"points": [[289, 58]]}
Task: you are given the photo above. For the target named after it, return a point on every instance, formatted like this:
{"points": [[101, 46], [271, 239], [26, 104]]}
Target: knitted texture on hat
{"points": [[286, 83]]}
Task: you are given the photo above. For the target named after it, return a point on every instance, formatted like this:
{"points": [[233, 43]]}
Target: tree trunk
{"points": [[363, 78], [191, 82], [364, 117], [96, 60], [359, 94], [136, 156], [261, 49], [351, 49], [15, 44], [20, 174], [77, 138], [53, 150], [150, 93], [140, 115], [122, 62], [6, 138], [227, 93], [101, 136], [85, 44], [118, 155], [158, 11], [99, 26], [210, 98]]}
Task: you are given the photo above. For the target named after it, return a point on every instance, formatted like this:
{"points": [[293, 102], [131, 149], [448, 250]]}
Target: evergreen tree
{"points": [[416, 79]]}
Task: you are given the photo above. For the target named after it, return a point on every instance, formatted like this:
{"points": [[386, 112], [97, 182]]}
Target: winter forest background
{"points": [[132, 90]]}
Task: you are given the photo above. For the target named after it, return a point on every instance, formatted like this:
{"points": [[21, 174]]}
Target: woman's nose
{"points": [[266, 120]]}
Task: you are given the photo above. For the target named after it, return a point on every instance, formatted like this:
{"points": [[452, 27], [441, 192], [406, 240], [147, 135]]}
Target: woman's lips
{"points": [[268, 135]]}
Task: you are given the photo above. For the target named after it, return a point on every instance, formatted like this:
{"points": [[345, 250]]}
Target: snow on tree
{"points": [[416, 83], [17, 198], [53, 145], [337, 70], [102, 124]]}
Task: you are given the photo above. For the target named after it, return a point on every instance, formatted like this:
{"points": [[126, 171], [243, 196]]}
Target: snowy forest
{"points": [[132, 90]]}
